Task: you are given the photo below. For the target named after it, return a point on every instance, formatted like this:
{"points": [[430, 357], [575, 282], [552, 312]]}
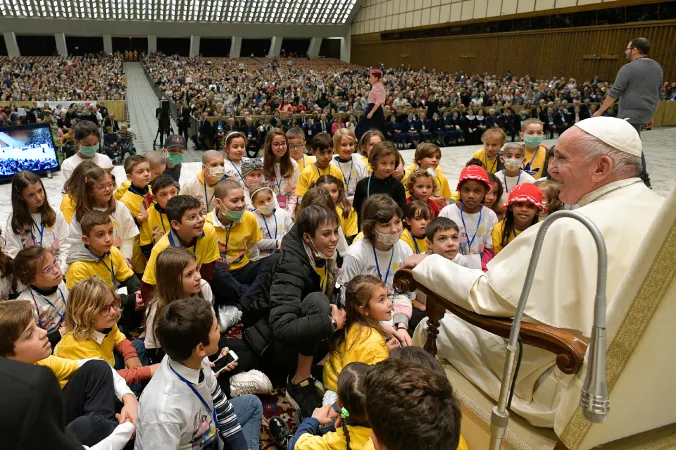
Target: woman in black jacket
{"points": [[293, 318]]}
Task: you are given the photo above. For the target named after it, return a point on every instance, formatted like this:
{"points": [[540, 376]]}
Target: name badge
{"points": [[282, 201]]}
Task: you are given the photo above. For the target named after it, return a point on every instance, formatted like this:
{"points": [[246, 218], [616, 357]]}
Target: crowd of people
{"points": [[92, 77]]}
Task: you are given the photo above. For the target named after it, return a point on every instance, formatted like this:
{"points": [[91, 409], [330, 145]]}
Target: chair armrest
{"points": [[569, 349]]}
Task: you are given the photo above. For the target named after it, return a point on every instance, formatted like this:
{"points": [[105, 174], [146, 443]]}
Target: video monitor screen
{"points": [[27, 147]]}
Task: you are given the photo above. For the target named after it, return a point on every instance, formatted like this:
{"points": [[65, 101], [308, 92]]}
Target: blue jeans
{"points": [[249, 411]]}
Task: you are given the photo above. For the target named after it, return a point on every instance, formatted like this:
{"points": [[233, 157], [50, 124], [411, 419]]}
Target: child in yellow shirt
{"points": [[322, 149], [157, 224], [157, 167], [296, 137], [137, 199], [493, 140], [72, 187], [416, 217], [346, 213], [91, 331], [522, 209], [532, 133], [87, 384]]}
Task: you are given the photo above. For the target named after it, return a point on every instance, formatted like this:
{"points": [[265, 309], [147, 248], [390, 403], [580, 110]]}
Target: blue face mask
{"points": [[89, 150]]}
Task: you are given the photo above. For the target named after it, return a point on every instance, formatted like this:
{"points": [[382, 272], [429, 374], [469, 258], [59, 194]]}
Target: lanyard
{"points": [[493, 166], [206, 197], [37, 308], [368, 187], [471, 241], [266, 227], [347, 183], [415, 243], [40, 229], [387, 274], [173, 243], [527, 168], [504, 177], [319, 173], [111, 269], [192, 388], [237, 170]]}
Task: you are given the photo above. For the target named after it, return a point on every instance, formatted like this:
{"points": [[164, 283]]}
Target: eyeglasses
{"points": [[105, 311], [103, 187], [279, 144], [53, 267], [193, 218], [629, 48], [297, 146]]}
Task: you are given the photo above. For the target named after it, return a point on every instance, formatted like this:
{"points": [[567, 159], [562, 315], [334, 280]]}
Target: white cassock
{"points": [[562, 294]]}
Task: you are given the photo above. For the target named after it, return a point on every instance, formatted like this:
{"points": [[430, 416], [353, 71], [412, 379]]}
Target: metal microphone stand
{"points": [[594, 396]]}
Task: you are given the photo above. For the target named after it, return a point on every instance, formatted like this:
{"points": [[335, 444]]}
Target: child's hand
{"points": [[128, 411], [392, 344], [322, 415], [153, 368], [142, 216], [140, 305], [132, 363]]}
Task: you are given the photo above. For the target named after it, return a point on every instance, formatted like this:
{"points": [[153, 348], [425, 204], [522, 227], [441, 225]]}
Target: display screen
{"points": [[27, 147]]}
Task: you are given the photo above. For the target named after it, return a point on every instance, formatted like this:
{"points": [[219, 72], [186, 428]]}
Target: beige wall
{"points": [[383, 15]]}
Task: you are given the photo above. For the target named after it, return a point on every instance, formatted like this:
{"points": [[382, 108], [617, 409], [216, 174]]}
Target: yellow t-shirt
{"points": [[496, 234], [62, 368], [359, 439], [122, 189], [407, 237], [305, 161], [350, 225], [235, 239], [156, 226], [311, 173], [133, 202], [361, 344], [67, 207], [205, 251], [365, 160], [491, 164], [84, 270], [534, 161], [71, 348], [443, 189]]}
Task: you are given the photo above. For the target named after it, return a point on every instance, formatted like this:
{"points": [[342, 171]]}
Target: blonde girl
{"points": [[349, 163]]}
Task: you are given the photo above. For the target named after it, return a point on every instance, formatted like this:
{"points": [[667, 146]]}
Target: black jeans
{"points": [[240, 287], [89, 402], [644, 170]]}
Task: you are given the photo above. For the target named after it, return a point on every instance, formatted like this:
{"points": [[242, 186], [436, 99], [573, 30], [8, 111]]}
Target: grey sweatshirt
{"points": [[639, 88]]}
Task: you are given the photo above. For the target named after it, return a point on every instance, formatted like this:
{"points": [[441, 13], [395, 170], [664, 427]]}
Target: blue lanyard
{"points": [[37, 308], [40, 229], [347, 183], [527, 167], [415, 243], [471, 241], [192, 388], [237, 170], [387, 274], [206, 199], [319, 173], [504, 177], [368, 187], [493, 166], [173, 243], [111, 269], [266, 226]]}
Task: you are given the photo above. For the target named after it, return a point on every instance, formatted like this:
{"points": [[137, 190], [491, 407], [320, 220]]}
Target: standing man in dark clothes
{"points": [[183, 119], [639, 88]]}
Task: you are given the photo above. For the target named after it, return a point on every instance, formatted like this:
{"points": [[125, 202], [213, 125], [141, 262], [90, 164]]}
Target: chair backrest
{"points": [[641, 360]]}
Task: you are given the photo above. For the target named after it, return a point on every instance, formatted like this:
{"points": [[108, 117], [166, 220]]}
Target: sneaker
{"points": [[228, 316], [251, 382], [280, 433], [304, 397]]}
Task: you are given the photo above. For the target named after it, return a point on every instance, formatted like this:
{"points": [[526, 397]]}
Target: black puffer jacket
{"points": [[277, 312]]}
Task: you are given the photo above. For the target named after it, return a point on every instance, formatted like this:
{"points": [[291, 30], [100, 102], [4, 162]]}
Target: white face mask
{"points": [[388, 238], [513, 164], [267, 209], [217, 171], [317, 254]]}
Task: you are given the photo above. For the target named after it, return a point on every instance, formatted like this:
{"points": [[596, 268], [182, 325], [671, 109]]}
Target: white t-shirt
{"points": [[233, 170], [52, 307], [170, 415], [69, 165], [353, 172], [360, 260], [124, 229], [149, 340], [201, 191], [273, 230], [55, 238], [475, 231], [508, 183], [284, 188]]}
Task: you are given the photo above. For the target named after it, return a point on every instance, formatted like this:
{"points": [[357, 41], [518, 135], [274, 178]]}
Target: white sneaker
{"points": [[251, 382], [228, 316]]}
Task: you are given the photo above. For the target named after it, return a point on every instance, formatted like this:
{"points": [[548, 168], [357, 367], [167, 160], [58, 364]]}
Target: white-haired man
{"points": [[597, 162]]}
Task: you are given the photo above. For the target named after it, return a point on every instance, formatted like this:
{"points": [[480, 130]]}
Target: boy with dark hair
{"points": [[137, 199], [89, 386], [189, 231], [442, 239], [409, 406], [322, 149], [183, 406], [157, 224], [296, 137]]}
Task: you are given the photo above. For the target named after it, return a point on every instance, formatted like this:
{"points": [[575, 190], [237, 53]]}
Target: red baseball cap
{"points": [[476, 173], [526, 192]]}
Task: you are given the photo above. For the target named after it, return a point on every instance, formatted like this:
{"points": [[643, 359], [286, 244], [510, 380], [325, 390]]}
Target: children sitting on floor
{"points": [[273, 223], [202, 185], [523, 207], [512, 175]]}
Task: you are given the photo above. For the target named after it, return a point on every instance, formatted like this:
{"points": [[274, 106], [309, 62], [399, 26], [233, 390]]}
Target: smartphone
{"points": [[224, 360]]}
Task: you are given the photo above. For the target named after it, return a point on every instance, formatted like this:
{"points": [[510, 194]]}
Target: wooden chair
{"points": [[641, 361]]}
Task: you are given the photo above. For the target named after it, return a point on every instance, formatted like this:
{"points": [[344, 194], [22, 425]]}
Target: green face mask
{"points": [[174, 158], [89, 150], [235, 216], [533, 141]]}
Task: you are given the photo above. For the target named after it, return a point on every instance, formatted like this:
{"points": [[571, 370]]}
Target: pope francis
{"points": [[597, 162]]}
